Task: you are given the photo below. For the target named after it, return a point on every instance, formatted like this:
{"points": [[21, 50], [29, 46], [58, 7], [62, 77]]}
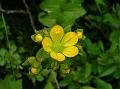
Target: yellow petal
{"points": [[70, 51], [70, 39], [57, 33], [47, 44], [57, 56]]}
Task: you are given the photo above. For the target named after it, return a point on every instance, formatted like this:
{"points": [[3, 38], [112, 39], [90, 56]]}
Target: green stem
{"points": [[7, 39], [6, 31], [56, 81]]}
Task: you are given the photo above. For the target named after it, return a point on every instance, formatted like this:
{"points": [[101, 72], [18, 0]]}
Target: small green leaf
{"points": [[100, 2], [101, 84], [100, 44], [52, 76], [3, 52], [40, 77], [42, 54], [29, 61], [108, 71], [45, 72], [35, 64], [49, 86], [33, 38], [65, 82], [12, 47]]}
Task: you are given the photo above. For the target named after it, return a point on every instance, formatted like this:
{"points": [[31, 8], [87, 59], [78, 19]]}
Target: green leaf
{"points": [[67, 28], [35, 64], [42, 54], [93, 49], [88, 69], [71, 13], [100, 44], [87, 87], [108, 71], [10, 83], [52, 76], [17, 58], [40, 77], [80, 77], [2, 61], [100, 2], [114, 36], [111, 20], [73, 86], [117, 75], [12, 47], [65, 82], [29, 61], [49, 86], [101, 84], [3, 52], [61, 12], [33, 38], [51, 5], [47, 20], [45, 72], [113, 47]]}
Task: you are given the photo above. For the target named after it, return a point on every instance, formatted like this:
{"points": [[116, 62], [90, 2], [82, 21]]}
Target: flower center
{"points": [[57, 47]]}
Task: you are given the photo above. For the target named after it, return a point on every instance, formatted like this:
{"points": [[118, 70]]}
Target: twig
{"points": [[11, 11], [29, 14]]}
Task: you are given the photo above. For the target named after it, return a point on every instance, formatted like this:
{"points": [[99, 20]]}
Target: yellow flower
{"points": [[59, 44]]}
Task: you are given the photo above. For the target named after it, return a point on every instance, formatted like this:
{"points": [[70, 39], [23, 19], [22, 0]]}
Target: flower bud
{"points": [[34, 70], [80, 35], [67, 70], [38, 37]]}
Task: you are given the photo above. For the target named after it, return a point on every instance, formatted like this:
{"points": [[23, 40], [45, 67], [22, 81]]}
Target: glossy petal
{"points": [[56, 33], [70, 51], [57, 56], [47, 44], [70, 39]]}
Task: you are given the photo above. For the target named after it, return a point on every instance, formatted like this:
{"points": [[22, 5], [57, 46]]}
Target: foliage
{"points": [[95, 67]]}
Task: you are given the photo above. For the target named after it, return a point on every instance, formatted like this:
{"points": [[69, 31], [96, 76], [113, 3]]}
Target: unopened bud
{"points": [[38, 37], [80, 35], [34, 70]]}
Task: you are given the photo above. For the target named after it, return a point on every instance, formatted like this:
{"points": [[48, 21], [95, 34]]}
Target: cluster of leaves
{"points": [[95, 67], [10, 59]]}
